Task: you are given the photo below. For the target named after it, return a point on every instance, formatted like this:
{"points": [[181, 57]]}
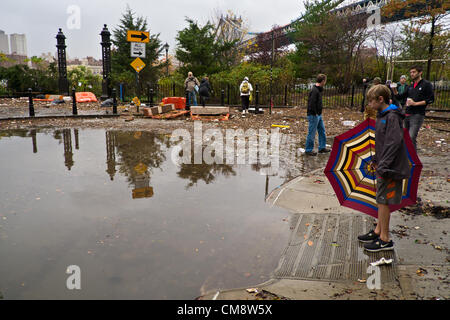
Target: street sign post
{"points": [[138, 36], [138, 40], [137, 50], [138, 65]]}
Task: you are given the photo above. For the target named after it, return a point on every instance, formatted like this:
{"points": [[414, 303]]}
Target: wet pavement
{"points": [[82, 184], [324, 260], [139, 226]]}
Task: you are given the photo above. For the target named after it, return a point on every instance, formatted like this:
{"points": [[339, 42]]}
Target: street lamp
{"points": [[106, 59], [63, 83], [166, 47]]}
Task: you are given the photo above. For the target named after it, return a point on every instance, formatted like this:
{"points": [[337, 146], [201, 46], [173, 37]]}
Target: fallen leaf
{"points": [[362, 280]]}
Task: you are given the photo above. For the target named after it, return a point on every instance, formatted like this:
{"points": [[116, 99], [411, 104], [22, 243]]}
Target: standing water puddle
{"points": [[137, 225]]}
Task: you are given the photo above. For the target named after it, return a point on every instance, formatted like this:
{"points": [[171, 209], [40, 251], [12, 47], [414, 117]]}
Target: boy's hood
{"points": [[392, 108]]}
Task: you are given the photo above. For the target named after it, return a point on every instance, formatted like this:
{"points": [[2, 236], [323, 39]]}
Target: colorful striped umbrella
{"points": [[352, 177]]}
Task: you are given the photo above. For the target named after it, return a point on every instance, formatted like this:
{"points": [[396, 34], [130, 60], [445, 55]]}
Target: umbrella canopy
{"points": [[353, 178]]}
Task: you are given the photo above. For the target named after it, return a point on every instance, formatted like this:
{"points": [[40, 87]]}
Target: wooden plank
{"points": [[150, 111], [210, 110], [166, 108]]}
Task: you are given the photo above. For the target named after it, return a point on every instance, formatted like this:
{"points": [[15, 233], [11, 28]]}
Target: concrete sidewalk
{"points": [[324, 260]]}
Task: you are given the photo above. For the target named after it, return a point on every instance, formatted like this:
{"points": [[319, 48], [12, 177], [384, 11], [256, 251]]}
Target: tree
{"points": [[424, 12], [84, 78], [327, 43], [120, 54], [199, 52], [387, 42]]}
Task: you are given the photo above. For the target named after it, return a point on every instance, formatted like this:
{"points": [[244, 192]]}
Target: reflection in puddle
{"points": [[138, 225]]}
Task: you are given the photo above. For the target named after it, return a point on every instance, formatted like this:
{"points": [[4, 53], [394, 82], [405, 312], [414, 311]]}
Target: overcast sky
{"points": [[40, 19]]}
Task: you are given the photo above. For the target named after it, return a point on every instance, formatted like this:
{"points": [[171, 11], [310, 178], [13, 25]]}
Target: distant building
{"points": [[96, 66], [18, 44], [48, 57], [12, 60], [4, 42]]}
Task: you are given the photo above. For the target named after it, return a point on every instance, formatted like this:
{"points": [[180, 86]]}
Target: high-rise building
{"points": [[4, 42], [18, 44]]}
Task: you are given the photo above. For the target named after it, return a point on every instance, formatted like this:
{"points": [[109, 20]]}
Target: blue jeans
{"points": [[316, 125], [413, 123], [192, 98]]}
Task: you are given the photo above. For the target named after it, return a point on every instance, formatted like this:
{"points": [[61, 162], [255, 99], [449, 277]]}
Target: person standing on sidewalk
{"points": [[418, 96], [246, 90], [190, 84], [315, 121], [390, 163]]}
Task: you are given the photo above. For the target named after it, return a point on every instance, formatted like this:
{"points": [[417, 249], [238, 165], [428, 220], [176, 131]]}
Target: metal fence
{"points": [[284, 95]]}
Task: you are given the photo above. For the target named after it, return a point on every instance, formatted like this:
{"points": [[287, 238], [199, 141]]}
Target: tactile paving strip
{"points": [[325, 247]]}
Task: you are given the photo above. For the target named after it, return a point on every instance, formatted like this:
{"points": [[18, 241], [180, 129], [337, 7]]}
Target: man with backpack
{"points": [[191, 85], [246, 90]]}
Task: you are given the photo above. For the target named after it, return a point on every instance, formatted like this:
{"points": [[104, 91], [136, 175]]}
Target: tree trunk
{"points": [[430, 49]]}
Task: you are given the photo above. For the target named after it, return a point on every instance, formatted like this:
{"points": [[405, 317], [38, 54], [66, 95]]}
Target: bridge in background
{"points": [[357, 8]]}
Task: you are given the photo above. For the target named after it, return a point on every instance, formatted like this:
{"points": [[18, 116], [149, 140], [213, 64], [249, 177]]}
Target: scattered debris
{"points": [[107, 103], [428, 209], [252, 290], [421, 272], [335, 244], [349, 123], [381, 262], [266, 295]]}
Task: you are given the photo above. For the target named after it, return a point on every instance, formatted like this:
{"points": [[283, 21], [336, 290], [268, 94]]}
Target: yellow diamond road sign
{"points": [[138, 36], [138, 64]]}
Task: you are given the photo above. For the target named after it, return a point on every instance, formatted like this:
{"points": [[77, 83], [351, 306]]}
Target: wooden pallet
{"points": [[169, 115], [223, 117]]}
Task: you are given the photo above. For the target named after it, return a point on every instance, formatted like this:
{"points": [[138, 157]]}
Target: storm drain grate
{"points": [[325, 247]]}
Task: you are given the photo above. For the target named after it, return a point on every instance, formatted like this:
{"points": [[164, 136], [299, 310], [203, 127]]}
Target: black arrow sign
{"points": [[141, 36]]}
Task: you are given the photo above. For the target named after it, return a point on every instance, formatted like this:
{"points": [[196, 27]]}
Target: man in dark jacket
{"points": [[390, 162], [418, 96], [204, 91], [315, 120]]}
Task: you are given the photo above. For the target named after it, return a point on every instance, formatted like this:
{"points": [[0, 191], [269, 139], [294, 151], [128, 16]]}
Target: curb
{"points": [[87, 116]]}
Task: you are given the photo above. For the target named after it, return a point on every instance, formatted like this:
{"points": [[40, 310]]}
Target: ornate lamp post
{"points": [[106, 57], [63, 84], [166, 47]]}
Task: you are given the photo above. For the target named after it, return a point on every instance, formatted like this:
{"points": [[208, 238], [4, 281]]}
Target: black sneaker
{"points": [[311, 153], [379, 245], [368, 237], [325, 150]]}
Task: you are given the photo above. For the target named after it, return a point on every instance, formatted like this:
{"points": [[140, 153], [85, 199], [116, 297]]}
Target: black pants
{"points": [[203, 100], [245, 102]]}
